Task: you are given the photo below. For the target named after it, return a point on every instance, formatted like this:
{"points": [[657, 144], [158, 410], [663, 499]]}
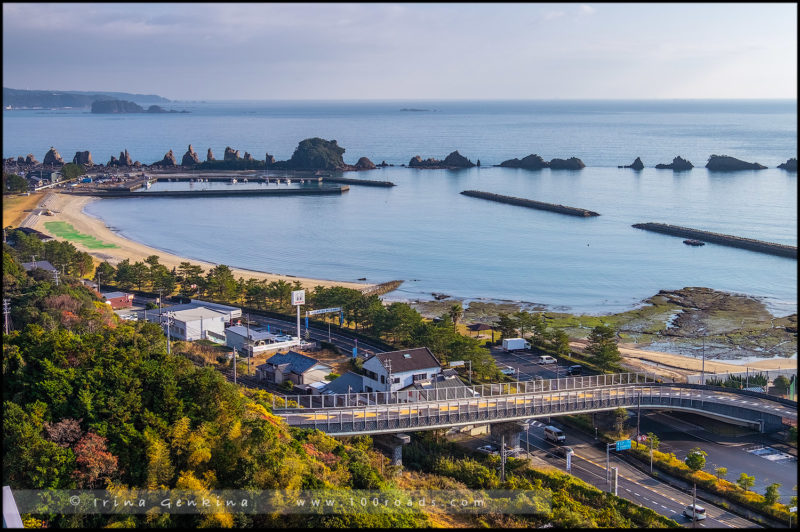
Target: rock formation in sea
{"points": [[190, 158], [124, 159], [635, 165], [210, 156], [83, 157], [315, 154], [231, 154], [679, 164], [269, 160], [725, 163], [168, 160], [248, 157], [137, 164], [418, 162], [789, 166], [30, 159], [20, 160], [573, 163], [453, 160], [456, 160], [52, 157], [530, 162], [365, 164]]}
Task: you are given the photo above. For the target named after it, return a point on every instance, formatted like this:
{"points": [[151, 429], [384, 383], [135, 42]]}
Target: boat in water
{"points": [[691, 242]]}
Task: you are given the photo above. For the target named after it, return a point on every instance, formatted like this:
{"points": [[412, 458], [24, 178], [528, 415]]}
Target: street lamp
{"points": [[703, 368]]}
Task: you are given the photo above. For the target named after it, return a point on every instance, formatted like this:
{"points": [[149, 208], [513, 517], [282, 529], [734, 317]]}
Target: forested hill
{"points": [[21, 98]]}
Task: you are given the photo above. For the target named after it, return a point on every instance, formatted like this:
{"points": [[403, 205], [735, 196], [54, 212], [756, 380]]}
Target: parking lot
{"points": [[526, 365]]}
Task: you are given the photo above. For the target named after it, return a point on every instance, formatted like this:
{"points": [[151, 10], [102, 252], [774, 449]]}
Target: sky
{"points": [[405, 51]]}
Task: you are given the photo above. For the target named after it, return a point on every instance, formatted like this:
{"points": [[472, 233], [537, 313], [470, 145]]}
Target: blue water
{"points": [[425, 232]]}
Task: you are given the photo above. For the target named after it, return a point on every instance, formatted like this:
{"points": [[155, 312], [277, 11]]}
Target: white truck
{"points": [[515, 344]]}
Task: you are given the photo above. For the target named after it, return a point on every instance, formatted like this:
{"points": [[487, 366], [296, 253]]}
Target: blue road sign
{"points": [[623, 444]]}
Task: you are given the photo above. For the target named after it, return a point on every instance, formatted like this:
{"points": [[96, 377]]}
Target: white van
{"points": [[554, 434], [546, 359]]}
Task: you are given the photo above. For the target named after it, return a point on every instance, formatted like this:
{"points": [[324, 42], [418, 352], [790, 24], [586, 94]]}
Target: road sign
{"points": [[323, 311], [793, 509], [621, 445], [299, 297]]}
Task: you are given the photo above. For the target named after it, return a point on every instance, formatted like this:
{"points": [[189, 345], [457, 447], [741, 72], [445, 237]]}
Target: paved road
{"points": [[589, 465], [679, 437]]}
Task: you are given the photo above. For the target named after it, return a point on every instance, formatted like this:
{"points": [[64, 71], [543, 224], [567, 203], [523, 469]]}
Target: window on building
{"points": [[420, 377], [396, 380], [383, 379]]}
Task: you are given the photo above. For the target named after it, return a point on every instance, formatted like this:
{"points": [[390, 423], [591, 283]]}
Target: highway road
{"points": [[767, 464], [589, 464]]}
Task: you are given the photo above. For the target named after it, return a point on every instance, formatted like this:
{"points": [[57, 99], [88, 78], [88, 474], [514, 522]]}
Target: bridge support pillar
{"points": [[512, 430], [393, 445]]}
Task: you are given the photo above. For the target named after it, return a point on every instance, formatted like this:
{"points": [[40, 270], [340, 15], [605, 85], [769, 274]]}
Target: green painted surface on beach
{"points": [[68, 232]]}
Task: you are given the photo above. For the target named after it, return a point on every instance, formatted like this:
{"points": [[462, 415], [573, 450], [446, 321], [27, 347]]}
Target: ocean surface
{"points": [[424, 232]]}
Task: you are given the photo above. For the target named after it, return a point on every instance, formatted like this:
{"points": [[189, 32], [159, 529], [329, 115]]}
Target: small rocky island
{"points": [[452, 161], [725, 163], [125, 107], [535, 162], [679, 164], [789, 166], [635, 165]]}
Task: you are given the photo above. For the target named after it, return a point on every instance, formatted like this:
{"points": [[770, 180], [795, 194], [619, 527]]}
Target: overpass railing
{"points": [[448, 413], [463, 392]]}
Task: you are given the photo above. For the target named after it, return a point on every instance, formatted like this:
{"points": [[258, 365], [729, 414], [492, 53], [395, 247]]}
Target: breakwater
{"points": [[365, 182], [522, 202], [311, 191], [722, 239], [382, 288], [240, 178]]}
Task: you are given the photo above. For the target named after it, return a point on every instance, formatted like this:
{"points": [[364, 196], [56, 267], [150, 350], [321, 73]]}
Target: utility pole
{"points": [[503, 458], [55, 274], [638, 415], [167, 319], [651, 456], [234, 365], [694, 505], [6, 310]]}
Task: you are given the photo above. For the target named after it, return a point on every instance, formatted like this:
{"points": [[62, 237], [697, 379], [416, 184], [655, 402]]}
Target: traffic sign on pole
{"points": [[622, 445]]}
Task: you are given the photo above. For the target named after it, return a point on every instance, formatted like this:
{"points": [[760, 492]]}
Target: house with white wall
{"points": [[396, 370]]}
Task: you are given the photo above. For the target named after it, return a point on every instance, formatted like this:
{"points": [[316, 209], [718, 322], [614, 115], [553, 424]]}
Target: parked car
{"points": [[508, 370], [563, 451], [577, 369], [547, 359], [699, 512], [487, 449]]}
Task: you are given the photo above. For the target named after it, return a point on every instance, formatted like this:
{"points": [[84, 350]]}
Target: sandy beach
{"points": [[68, 208], [673, 365]]}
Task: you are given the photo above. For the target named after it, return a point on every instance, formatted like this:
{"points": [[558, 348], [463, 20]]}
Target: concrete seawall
{"points": [[365, 182], [522, 202], [214, 193], [719, 238]]}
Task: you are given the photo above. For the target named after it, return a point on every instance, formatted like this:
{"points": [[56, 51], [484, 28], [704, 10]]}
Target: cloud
{"points": [[586, 9]]}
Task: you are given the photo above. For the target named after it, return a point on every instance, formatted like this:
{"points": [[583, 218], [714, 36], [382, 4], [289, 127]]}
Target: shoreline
{"points": [[69, 209]]}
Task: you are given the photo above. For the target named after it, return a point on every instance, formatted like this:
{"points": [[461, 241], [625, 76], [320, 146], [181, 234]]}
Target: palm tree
{"points": [[456, 312]]}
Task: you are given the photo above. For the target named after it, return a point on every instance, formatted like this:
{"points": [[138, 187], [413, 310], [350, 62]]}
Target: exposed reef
{"points": [[678, 164], [789, 166], [725, 163], [635, 165]]}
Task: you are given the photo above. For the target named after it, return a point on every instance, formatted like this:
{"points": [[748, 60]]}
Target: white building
{"points": [[396, 370], [195, 323], [258, 341]]}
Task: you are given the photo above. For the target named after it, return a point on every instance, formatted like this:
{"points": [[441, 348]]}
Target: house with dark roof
{"points": [[294, 367], [350, 382], [39, 265], [444, 385], [396, 370]]}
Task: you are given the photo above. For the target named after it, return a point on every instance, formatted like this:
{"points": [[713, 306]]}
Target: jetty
{"points": [[532, 204], [365, 182], [718, 238], [310, 191]]}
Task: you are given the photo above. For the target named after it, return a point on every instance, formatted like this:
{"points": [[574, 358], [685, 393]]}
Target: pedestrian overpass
{"points": [[445, 408]]}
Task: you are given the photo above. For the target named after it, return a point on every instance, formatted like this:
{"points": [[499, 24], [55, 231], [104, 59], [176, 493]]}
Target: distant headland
{"points": [[53, 99], [124, 106]]}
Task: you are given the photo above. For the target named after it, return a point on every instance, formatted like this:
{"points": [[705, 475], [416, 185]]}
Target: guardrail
{"points": [[446, 414], [482, 390]]}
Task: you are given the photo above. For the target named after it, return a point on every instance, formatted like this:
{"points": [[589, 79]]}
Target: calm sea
{"points": [[424, 232]]}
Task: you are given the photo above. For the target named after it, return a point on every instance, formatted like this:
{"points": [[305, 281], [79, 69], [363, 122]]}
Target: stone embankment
{"points": [[718, 238], [382, 288], [214, 193], [365, 182], [522, 202]]}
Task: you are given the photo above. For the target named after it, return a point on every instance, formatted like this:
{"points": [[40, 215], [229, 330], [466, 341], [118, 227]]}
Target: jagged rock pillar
{"points": [[393, 445]]}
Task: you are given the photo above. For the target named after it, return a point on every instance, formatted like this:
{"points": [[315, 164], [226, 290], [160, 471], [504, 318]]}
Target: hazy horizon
{"points": [[358, 52]]}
